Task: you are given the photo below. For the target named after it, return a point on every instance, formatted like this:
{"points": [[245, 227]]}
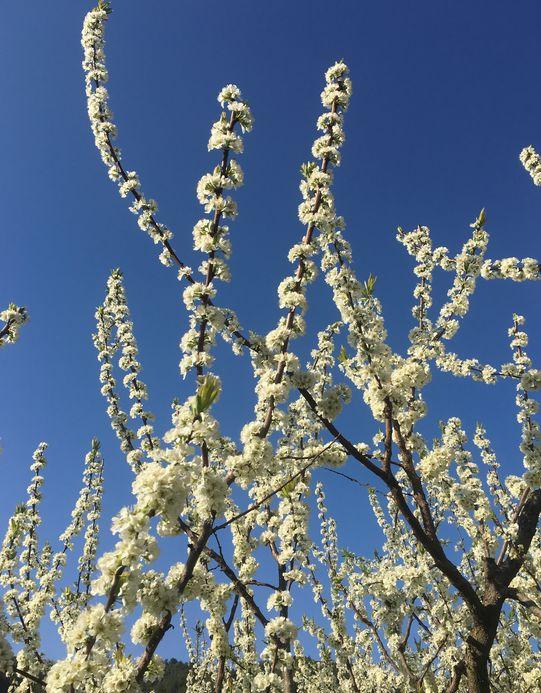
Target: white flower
{"points": [[531, 161], [531, 380], [281, 629]]}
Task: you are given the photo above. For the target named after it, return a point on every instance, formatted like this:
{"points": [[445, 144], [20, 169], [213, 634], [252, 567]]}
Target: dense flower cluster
{"points": [[211, 235], [114, 333], [30, 572], [531, 161], [13, 318], [104, 129]]}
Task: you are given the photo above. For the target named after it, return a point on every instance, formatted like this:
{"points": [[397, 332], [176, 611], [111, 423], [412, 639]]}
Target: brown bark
{"points": [[220, 674], [498, 577], [287, 678], [165, 623], [477, 656], [485, 605]]}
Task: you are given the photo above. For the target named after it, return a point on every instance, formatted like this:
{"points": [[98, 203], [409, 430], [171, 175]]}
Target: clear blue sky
{"points": [[445, 96]]}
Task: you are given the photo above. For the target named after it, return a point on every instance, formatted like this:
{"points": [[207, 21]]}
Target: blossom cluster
{"points": [[30, 572], [211, 235], [104, 130], [531, 161], [13, 317]]}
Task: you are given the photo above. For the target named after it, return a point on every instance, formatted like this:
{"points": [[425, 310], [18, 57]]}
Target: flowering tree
{"points": [[13, 318], [435, 609]]}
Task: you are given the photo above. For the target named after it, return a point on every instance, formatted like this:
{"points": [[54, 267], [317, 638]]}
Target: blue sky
{"points": [[445, 96]]}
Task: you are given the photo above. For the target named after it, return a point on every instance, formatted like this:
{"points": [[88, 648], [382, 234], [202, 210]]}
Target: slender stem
{"points": [[257, 505]]}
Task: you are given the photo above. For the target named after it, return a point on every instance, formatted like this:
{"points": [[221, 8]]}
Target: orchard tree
{"points": [[451, 601]]}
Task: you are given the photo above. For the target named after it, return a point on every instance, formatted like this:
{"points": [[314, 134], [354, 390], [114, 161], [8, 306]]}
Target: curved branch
{"points": [[432, 545]]}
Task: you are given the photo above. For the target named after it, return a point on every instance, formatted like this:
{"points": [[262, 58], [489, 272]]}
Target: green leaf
{"points": [[480, 221], [289, 488], [207, 394], [105, 5], [307, 169], [18, 517], [367, 289], [482, 217], [119, 655], [343, 355]]}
